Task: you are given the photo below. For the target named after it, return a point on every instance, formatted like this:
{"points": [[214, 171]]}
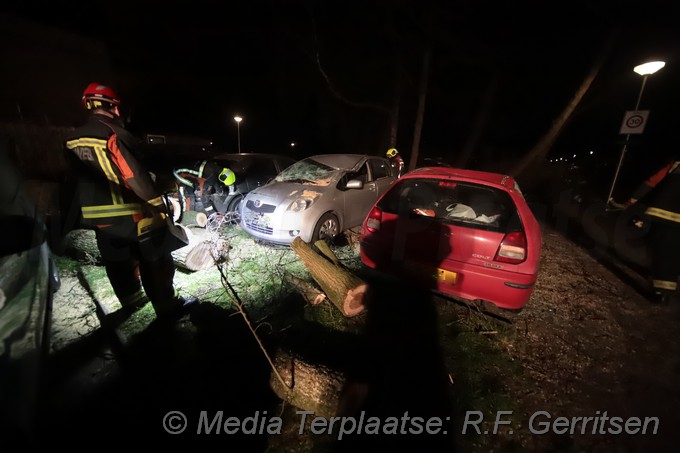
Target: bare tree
{"points": [[541, 149], [420, 114], [479, 124]]}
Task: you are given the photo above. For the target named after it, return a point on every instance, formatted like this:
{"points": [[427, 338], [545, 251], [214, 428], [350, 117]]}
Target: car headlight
{"points": [[301, 204]]}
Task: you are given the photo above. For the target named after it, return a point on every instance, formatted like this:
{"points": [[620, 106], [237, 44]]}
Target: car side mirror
{"points": [[354, 184]]}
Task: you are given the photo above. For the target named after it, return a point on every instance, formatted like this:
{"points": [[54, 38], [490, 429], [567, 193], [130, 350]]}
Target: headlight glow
{"points": [[301, 204]]}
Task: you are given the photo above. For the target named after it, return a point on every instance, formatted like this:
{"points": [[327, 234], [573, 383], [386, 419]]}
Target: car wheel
{"points": [[235, 204], [327, 228], [233, 213]]}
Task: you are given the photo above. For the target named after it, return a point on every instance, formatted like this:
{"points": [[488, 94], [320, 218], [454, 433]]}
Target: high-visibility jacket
{"points": [[663, 197], [112, 187], [651, 182], [397, 164]]}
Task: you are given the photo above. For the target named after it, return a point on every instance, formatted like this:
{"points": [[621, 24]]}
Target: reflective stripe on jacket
{"points": [[113, 188], [663, 200]]}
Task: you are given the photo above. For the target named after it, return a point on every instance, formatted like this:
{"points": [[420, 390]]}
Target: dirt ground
{"points": [[587, 343]]}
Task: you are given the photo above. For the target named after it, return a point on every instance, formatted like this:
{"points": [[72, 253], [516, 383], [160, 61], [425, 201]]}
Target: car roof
{"points": [[340, 161], [249, 156], [472, 175]]}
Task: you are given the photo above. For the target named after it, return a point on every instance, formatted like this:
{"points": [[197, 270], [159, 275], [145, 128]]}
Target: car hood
{"points": [[281, 192]]}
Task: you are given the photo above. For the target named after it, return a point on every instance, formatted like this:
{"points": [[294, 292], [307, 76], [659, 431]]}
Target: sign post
{"points": [[634, 121]]}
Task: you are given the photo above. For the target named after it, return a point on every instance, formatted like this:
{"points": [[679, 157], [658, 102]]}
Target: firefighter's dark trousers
{"points": [[129, 270], [665, 250]]}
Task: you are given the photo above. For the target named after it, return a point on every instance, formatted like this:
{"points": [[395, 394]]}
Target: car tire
{"points": [[233, 212], [235, 204], [327, 228]]}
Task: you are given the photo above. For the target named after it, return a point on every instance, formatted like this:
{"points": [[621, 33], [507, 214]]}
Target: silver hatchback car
{"points": [[316, 198]]}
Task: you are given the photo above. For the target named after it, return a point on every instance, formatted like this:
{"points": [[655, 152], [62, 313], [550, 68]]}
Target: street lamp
{"points": [[645, 70], [238, 120]]}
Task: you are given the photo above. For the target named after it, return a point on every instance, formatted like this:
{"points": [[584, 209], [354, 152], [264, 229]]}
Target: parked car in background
{"points": [[252, 170], [316, 198], [28, 278], [463, 233], [219, 183]]}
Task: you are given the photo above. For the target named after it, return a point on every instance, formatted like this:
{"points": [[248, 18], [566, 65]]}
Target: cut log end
{"points": [[354, 301], [201, 219], [309, 293], [202, 252], [344, 289], [195, 218]]}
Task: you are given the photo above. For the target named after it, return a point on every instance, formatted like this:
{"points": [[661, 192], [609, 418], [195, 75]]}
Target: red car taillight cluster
{"points": [[513, 248], [374, 220]]}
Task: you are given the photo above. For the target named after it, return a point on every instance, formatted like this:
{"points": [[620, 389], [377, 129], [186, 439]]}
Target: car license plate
{"points": [[447, 277], [258, 220], [263, 221], [431, 274]]}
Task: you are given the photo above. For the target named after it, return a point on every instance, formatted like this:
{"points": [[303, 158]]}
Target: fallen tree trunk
{"points": [[327, 252], [344, 289], [309, 293], [194, 218], [202, 252], [311, 387], [81, 245]]}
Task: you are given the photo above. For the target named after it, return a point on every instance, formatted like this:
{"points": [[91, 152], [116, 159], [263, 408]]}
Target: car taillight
{"points": [[374, 220], [513, 248]]}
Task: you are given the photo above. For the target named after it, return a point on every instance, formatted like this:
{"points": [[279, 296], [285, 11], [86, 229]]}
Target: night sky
{"points": [[188, 68]]}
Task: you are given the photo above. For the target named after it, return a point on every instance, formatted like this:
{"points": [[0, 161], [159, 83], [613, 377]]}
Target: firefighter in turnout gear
{"points": [[119, 200], [660, 197], [201, 182], [396, 162]]}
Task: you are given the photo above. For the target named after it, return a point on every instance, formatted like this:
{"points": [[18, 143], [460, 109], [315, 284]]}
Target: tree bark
{"points": [[420, 115], [480, 122], [201, 252], [194, 218], [81, 245], [542, 148], [307, 290], [326, 250], [312, 387], [344, 289]]}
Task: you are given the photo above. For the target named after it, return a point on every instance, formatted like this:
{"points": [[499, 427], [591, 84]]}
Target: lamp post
{"points": [[238, 120], [645, 70]]}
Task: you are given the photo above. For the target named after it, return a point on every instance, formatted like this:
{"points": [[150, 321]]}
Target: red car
{"points": [[463, 233]]}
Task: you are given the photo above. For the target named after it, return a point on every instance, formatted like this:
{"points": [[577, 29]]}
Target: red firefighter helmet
{"points": [[96, 94]]}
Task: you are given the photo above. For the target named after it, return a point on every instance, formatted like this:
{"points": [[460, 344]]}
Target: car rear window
{"points": [[460, 203]]}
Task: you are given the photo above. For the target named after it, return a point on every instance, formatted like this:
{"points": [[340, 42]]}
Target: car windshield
{"points": [[309, 172], [466, 204]]}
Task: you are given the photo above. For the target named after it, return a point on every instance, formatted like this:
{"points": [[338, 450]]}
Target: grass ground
{"points": [[572, 351]]}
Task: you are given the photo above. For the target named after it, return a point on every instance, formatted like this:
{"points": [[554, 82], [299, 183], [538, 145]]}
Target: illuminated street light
{"points": [[238, 120], [645, 70], [648, 69]]}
